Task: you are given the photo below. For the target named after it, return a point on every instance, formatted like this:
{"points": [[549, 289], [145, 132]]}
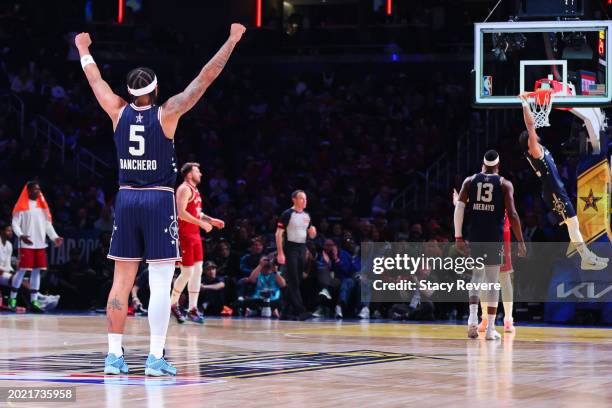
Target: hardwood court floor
{"points": [[264, 363]]}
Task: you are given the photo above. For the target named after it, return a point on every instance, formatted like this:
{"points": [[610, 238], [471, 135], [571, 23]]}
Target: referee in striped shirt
{"points": [[293, 228]]}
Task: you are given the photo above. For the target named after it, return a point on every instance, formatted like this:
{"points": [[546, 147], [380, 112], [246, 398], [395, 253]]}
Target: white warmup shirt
{"points": [[33, 223], [6, 251]]}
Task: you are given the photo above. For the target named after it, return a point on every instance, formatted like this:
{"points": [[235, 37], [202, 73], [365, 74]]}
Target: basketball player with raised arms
{"points": [[146, 222], [191, 219], [553, 190], [489, 197]]}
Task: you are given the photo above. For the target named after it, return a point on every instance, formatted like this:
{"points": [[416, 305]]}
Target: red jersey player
{"points": [[191, 219]]}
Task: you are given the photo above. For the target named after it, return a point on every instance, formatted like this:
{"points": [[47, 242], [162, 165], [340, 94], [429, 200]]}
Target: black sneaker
{"points": [[140, 311], [305, 316]]}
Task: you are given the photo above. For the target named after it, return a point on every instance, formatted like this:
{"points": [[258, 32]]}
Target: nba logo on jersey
{"points": [[487, 85]]}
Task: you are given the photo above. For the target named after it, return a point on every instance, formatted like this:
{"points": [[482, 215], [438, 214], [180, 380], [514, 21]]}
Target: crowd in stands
{"points": [[351, 136]]}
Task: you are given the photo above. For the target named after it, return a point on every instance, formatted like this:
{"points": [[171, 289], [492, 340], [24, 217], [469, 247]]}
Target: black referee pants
{"points": [[295, 264]]}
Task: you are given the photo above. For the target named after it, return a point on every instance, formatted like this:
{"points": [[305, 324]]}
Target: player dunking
{"points": [[489, 196], [145, 211], [191, 219], [553, 190]]}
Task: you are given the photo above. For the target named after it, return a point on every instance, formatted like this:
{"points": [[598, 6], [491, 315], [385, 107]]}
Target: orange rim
{"points": [[541, 96]]}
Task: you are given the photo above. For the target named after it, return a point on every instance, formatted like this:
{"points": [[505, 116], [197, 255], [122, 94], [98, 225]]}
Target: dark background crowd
{"points": [[294, 109]]}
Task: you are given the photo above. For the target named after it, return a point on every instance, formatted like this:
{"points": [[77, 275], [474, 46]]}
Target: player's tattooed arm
{"points": [[108, 100], [184, 101]]}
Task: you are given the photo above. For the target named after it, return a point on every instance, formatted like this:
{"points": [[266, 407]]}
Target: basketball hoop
{"points": [[540, 104], [541, 100]]}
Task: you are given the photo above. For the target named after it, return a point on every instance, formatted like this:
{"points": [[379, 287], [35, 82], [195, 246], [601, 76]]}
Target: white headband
{"points": [[491, 163], [144, 91]]}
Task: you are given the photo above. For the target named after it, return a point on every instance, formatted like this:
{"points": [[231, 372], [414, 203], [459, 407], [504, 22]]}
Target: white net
{"points": [[540, 104]]}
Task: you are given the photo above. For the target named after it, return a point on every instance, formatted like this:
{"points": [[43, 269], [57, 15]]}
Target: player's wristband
{"points": [[459, 239], [524, 103], [86, 60]]}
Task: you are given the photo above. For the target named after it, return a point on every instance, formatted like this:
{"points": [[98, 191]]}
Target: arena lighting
{"points": [[120, 11], [390, 7], [258, 14]]}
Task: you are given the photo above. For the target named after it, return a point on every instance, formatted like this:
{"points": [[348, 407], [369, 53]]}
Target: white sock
{"points": [[160, 280], [582, 249], [194, 285], [491, 322], [573, 229], [114, 344], [157, 346], [16, 284], [473, 319], [180, 282], [34, 284]]}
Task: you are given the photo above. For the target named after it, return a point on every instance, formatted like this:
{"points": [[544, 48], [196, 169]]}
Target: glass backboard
{"points": [[510, 57]]}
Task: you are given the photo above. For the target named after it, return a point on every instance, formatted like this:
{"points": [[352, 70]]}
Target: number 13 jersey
{"points": [[146, 156], [486, 201]]}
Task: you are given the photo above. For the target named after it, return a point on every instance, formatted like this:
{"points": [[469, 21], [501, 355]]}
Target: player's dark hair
{"points": [[296, 192], [491, 155], [524, 140], [187, 167], [139, 78], [30, 184]]}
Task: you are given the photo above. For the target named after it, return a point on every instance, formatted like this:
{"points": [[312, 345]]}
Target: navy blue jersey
{"points": [[486, 202], [546, 169], [146, 156]]}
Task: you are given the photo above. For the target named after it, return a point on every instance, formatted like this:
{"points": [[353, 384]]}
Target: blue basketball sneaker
{"points": [[195, 316], [115, 365], [158, 367]]}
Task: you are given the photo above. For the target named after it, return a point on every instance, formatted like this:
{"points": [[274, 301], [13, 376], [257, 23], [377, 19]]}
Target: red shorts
{"points": [[191, 249], [30, 258]]}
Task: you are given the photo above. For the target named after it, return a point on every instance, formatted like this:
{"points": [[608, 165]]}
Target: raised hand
{"points": [[82, 40], [236, 31], [527, 114]]}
